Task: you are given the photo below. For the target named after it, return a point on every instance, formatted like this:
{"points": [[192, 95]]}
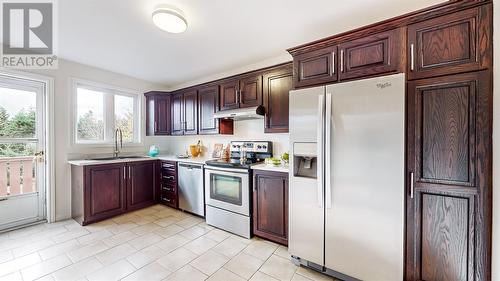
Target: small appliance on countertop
{"points": [[228, 186]]}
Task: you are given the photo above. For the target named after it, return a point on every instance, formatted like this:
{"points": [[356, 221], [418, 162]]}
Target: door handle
{"points": [[320, 145], [124, 172], [333, 63], [412, 186], [412, 57], [328, 132], [156, 126], [342, 61]]}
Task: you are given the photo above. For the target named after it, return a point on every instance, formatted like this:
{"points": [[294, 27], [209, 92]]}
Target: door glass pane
{"points": [[17, 113], [226, 188], [90, 115], [124, 116], [17, 169]]}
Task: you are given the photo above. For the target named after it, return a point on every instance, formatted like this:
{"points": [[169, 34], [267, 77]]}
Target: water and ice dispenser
{"points": [[305, 159]]}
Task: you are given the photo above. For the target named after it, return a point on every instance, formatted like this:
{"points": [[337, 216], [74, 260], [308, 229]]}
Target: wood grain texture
{"points": [[445, 133], [270, 206], [444, 238], [250, 91], [449, 44], [140, 185], [454, 123], [277, 85], [104, 192], [372, 55]]}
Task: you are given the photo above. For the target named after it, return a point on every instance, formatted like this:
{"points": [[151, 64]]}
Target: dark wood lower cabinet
{"points": [[449, 160], [99, 192], [168, 184], [140, 185], [270, 206]]}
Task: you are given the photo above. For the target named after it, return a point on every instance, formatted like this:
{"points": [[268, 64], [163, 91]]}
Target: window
{"points": [[100, 110]]}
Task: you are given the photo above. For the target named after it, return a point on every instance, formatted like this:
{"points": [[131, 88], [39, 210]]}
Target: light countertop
{"points": [[271, 168], [86, 162]]}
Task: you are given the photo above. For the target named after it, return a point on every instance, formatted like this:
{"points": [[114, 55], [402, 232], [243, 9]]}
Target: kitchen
{"points": [[380, 130]]}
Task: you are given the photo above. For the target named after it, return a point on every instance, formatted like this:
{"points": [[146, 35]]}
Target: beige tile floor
{"points": [[156, 243]]}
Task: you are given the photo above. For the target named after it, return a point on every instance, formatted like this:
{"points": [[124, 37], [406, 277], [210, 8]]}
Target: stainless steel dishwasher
{"points": [[191, 191]]}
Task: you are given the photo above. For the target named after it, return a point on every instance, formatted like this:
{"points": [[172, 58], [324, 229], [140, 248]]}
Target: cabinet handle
{"points": [[333, 63], [342, 61], [156, 126], [168, 166], [240, 96], [169, 177], [412, 57], [411, 185], [124, 172], [129, 172]]}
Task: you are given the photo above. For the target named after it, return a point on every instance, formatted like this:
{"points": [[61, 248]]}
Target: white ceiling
{"points": [[223, 35]]}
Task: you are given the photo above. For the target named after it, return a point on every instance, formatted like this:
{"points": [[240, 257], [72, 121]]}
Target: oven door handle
{"points": [[230, 170]]}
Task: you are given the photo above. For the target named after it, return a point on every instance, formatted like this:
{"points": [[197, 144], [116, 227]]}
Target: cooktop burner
{"points": [[254, 151]]}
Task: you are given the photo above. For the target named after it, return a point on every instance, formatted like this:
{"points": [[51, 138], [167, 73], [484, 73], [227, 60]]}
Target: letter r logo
{"points": [[27, 28]]}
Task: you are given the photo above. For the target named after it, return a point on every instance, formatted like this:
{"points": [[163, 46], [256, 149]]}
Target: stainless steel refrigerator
{"points": [[346, 194]]}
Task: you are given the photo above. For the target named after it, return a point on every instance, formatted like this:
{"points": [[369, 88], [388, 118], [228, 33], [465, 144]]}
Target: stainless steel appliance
{"points": [[247, 113], [346, 193], [228, 187], [190, 188]]}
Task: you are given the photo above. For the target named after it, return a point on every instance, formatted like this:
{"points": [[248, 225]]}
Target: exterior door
{"points": [[449, 178], [22, 146]]}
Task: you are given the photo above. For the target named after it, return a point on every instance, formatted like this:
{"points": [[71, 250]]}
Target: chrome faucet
{"points": [[117, 151]]}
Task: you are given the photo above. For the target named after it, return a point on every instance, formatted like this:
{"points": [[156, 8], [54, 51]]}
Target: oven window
{"points": [[226, 189]]}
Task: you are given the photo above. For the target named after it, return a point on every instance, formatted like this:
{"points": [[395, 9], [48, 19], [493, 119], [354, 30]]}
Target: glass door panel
{"points": [[226, 188]]}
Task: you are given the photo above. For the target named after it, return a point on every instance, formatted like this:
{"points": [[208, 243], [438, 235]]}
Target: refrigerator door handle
{"points": [[320, 146], [328, 152]]}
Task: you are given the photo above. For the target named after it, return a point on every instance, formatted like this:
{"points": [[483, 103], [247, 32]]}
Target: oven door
{"points": [[228, 189]]}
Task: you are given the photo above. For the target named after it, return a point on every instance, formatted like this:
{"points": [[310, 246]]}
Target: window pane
{"points": [[90, 116], [17, 113], [124, 116]]}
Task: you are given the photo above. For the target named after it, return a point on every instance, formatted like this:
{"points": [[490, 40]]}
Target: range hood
{"points": [[249, 113]]}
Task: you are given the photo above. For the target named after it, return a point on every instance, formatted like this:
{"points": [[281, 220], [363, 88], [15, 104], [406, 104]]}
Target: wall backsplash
{"points": [[248, 130]]}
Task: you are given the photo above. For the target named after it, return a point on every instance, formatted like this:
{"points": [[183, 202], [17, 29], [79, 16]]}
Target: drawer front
{"points": [[316, 67], [372, 55], [168, 166], [169, 199], [168, 187], [168, 177]]}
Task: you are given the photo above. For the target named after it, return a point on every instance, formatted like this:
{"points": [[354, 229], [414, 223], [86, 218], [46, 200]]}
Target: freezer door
{"points": [[306, 191], [365, 178]]}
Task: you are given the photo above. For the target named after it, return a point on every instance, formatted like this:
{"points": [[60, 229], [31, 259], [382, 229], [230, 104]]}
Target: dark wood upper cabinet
{"points": [[177, 119], [270, 206], [229, 97], [250, 91], [104, 192], [277, 85], [184, 113], [157, 113], [372, 55], [449, 143], [191, 112], [454, 43], [208, 104], [140, 184], [315, 67]]}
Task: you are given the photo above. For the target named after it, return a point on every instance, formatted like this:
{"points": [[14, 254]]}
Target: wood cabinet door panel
{"points": [[270, 206], [191, 112], [208, 104], [229, 94], [372, 55], [141, 184], [316, 67], [277, 86], [450, 44], [250, 91], [162, 115], [104, 191], [449, 152], [177, 113]]}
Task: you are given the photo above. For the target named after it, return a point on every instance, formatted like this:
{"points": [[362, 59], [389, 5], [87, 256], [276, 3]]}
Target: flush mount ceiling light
{"points": [[169, 20]]}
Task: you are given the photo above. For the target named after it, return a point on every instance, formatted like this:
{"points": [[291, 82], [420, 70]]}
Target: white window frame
{"points": [[109, 114]]}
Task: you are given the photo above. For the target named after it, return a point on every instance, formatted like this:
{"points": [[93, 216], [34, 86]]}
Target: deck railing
{"points": [[17, 175]]}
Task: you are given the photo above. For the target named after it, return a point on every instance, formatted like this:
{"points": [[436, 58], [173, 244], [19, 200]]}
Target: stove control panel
{"points": [[259, 147]]}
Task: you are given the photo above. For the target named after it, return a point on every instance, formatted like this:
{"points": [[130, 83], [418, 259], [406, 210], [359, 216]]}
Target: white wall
{"points": [[249, 130], [63, 149], [496, 141]]}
